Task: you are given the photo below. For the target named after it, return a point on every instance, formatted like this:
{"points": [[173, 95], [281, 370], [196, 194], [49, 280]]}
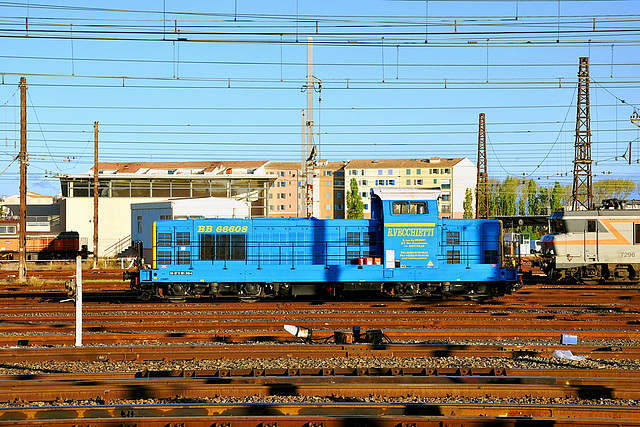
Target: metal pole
{"points": [[309, 96], [78, 301], [302, 176], [22, 157], [95, 196]]}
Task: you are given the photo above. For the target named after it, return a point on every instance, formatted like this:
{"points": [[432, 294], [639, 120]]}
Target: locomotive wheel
{"points": [[250, 290]]}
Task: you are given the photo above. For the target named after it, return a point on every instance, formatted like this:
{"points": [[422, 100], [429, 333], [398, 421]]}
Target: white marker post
{"points": [[78, 301]]}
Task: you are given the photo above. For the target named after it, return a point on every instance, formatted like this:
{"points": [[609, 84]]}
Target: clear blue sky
{"points": [[201, 80]]}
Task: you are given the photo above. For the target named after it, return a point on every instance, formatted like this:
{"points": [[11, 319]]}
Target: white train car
{"points": [[592, 246]]}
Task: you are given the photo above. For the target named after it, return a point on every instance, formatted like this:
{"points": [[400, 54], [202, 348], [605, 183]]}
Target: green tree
{"points": [[494, 196], [355, 206], [542, 201], [507, 196], [532, 200], [612, 189], [467, 204], [522, 198], [556, 197]]}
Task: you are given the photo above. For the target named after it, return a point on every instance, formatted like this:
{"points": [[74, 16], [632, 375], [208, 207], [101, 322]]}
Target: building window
{"points": [[379, 171], [339, 194], [446, 171], [328, 207], [8, 229], [363, 194], [390, 172], [417, 182], [392, 182], [282, 195], [139, 223], [445, 197], [362, 172], [446, 186], [338, 173], [445, 208], [418, 171], [363, 182], [453, 257], [408, 171], [328, 195], [408, 182], [339, 207], [453, 237], [281, 207], [328, 183], [366, 206]]}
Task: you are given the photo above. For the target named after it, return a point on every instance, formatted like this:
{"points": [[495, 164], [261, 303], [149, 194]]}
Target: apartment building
{"points": [[452, 176], [288, 194], [285, 197]]}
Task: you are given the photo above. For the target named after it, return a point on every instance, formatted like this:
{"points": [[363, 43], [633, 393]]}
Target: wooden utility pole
{"points": [[22, 158], [95, 195], [482, 181]]}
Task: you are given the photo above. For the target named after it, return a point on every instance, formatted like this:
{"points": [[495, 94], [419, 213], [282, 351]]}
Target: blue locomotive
{"points": [[405, 249]]}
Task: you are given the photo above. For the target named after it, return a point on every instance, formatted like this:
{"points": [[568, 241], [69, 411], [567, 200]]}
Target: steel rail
{"points": [[338, 388], [325, 415], [319, 351], [224, 336], [360, 372]]}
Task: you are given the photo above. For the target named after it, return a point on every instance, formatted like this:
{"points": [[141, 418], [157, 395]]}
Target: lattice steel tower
{"points": [[582, 194], [482, 181]]}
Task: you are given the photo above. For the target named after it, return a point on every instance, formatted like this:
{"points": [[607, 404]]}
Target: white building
{"points": [[123, 184]]}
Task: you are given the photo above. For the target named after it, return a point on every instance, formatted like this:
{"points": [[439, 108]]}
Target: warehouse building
{"points": [[123, 184]]}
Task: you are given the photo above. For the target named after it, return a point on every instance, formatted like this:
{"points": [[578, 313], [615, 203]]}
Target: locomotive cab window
{"points": [[636, 234], [591, 226], [558, 226], [415, 208]]}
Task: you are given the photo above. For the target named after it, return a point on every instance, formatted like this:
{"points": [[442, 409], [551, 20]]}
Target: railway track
{"points": [[224, 362]]}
